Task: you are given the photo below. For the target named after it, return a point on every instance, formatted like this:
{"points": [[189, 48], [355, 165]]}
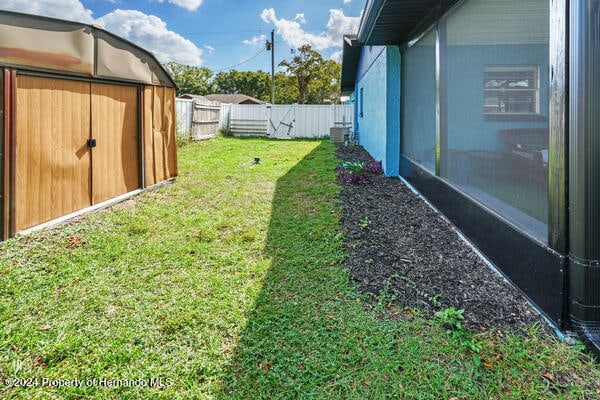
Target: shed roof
{"points": [[53, 45]]}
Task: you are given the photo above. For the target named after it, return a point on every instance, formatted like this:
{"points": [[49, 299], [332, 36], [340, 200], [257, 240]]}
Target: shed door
{"points": [[115, 165], [52, 159]]}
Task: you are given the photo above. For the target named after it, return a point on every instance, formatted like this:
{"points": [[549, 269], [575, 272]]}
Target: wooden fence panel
{"points": [[205, 119]]}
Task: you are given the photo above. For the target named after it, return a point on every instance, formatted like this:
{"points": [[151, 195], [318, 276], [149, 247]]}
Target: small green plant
{"points": [[452, 320], [385, 298], [183, 140], [355, 167], [364, 222], [224, 131], [433, 299]]}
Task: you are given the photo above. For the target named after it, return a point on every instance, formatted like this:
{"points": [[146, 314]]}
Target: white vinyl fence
{"points": [[183, 112], [201, 119], [291, 120]]}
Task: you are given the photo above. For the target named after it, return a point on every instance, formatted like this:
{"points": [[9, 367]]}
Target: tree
{"points": [[252, 83], [325, 87], [305, 66], [317, 80], [286, 89], [192, 80]]}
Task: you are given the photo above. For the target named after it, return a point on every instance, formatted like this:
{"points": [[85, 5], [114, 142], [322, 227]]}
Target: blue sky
{"points": [[217, 34]]}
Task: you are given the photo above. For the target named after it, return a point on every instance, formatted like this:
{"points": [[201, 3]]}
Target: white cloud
{"points": [[151, 33], [256, 40], [71, 10], [300, 18], [295, 36], [347, 1], [147, 31], [191, 5], [337, 56], [340, 25], [209, 48]]}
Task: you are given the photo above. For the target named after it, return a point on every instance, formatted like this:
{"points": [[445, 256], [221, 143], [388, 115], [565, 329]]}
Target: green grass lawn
{"points": [[227, 285]]}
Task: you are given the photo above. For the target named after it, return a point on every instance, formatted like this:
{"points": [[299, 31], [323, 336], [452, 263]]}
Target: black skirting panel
{"points": [[535, 269]]}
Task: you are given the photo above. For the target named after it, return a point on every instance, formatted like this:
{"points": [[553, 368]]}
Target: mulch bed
{"points": [[397, 243]]}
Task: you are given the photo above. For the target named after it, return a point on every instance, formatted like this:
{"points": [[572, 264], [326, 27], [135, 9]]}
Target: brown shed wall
{"points": [[160, 148], [85, 116], [115, 159], [52, 159], [57, 173]]}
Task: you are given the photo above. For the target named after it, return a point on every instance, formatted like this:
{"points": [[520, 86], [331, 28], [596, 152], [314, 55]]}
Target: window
{"points": [[361, 103], [511, 91]]}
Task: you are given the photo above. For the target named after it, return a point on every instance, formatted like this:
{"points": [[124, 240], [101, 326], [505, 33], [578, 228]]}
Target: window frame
{"points": [[530, 73]]}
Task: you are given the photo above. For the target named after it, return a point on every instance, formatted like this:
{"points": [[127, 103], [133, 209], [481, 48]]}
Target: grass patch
{"points": [[227, 285]]}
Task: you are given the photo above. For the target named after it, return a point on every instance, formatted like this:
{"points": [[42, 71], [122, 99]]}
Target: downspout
{"points": [[584, 170]]}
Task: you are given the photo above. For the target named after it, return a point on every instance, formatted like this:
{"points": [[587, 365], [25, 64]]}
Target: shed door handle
{"points": [[91, 142]]}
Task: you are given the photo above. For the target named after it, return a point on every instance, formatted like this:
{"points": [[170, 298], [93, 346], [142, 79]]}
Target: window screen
{"points": [[497, 108], [419, 103]]}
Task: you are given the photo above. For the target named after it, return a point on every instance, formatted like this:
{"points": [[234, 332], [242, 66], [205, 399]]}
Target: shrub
{"points": [[373, 167], [358, 172], [356, 178], [224, 131]]}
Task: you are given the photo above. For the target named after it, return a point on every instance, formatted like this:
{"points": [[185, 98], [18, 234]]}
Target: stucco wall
{"points": [[368, 55], [378, 106]]}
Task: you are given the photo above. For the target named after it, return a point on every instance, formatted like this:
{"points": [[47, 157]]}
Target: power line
{"points": [[219, 32], [243, 62], [240, 43], [259, 31]]}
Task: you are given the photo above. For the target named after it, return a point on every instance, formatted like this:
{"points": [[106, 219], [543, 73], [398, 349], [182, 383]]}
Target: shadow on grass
{"points": [[309, 335], [297, 341]]}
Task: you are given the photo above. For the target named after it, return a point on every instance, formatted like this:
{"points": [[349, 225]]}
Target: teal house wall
{"points": [[377, 101]]}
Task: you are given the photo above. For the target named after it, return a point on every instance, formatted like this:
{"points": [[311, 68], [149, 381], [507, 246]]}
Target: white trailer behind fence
{"points": [[283, 121]]}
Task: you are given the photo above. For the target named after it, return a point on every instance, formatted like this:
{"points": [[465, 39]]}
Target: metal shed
{"points": [[86, 118]]}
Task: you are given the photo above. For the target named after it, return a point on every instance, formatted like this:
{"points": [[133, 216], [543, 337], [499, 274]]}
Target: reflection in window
{"points": [[419, 104], [496, 140], [510, 90]]}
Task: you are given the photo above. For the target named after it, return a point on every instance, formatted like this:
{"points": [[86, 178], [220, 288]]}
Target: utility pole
{"points": [[271, 48]]}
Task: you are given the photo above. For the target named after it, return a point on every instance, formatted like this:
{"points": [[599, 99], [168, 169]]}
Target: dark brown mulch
{"points": [[396, 242]]}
